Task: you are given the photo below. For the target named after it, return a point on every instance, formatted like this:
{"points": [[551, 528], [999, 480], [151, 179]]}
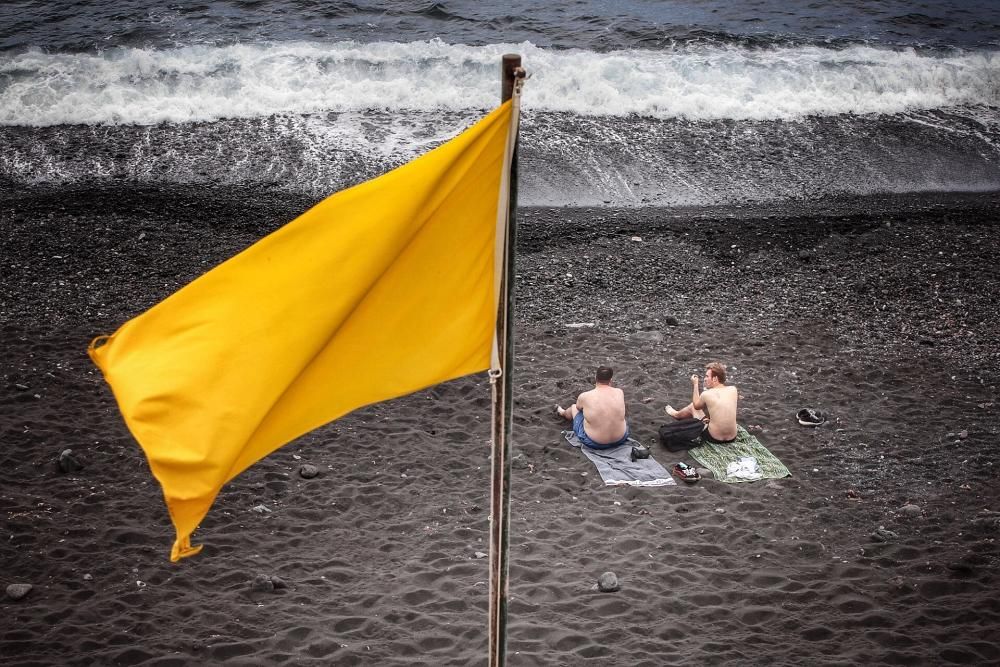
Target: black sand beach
{"points": [[880, 549]]}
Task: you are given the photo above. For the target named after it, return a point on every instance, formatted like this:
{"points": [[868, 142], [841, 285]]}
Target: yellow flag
{"points": [[377, 291]]}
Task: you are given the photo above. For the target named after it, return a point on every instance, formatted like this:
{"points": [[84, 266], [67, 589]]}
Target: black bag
{"points": [[681, 434]]}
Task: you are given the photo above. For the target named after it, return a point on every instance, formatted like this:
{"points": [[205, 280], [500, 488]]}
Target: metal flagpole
{"points": [[502, 401]]}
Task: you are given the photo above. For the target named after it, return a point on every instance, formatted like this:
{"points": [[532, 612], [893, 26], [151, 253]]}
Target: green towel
{"points": [[718, 457]]}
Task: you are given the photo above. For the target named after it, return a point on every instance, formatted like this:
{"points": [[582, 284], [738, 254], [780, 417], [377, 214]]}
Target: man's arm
{"points": [[696, 401]]}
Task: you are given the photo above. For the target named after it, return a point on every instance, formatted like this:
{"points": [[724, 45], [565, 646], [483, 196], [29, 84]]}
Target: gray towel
{"points": [[616, 465]]}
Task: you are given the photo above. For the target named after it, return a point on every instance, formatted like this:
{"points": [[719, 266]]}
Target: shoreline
{"points": [[830, 308]]}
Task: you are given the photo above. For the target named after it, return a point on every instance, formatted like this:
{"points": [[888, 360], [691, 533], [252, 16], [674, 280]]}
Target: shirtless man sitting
{"points": [[716, 405], [604, 425]]}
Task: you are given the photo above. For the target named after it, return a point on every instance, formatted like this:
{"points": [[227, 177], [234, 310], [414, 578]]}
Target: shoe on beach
{"points": [[810, 417], [687, 473]]}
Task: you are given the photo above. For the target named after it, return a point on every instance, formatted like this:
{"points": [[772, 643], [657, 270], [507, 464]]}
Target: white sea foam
{"points": [[200, 83]]}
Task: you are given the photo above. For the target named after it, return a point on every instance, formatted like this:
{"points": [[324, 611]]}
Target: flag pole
{"points": [[502, 403]]}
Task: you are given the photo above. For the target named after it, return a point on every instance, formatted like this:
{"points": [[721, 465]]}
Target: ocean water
{"points": [[629, 103]]}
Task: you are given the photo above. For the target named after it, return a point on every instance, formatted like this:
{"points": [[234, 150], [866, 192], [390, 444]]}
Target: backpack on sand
{"points": [[681, 434]]}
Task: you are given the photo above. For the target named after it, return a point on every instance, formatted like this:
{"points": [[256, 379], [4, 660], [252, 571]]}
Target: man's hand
{"points": [[694, 380]]}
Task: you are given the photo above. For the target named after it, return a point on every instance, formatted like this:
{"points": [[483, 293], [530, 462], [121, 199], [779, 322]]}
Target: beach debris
{"points": [[261, 509], [883, 534], [18, 591], [772, 485], [963, 434], [480, 554], [720, 510], [637, 239], [608, 583], [910, 510], [69, 463], [88, 577], [580, 325], [308, 471], [854, 495]]}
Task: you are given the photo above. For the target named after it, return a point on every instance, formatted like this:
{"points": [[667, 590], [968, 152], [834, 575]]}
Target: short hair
{"points": [[604, 374], [718, 370]]}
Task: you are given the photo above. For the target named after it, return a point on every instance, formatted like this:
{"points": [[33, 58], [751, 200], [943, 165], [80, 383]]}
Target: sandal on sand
{"points": [[687, 473], [810, 417]]}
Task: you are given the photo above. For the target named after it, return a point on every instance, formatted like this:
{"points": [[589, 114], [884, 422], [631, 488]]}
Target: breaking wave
{"points": [[711, 81]]}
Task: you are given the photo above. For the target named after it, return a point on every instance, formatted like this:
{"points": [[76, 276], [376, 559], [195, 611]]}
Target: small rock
{"points": [[68, 462], [637, 239], [720, 510], [963, 434], [910, 510], [608, 583], [278, 583], [670, 321], [518, 461], [88, 577], [18, 591], [308, 471], [262, 584], [884, 535], [772, 485], [851, 493], [480, 554], [261, 509]]}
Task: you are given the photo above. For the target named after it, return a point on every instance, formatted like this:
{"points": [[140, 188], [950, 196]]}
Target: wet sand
{"points": [[880, 312]]}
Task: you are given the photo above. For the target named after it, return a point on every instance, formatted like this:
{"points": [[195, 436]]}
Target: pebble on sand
{"points": [[910, 510], [18, 591], [608, 583], [68, 462], [266, 583], [882, 534], [308, 471], [262, 584]]}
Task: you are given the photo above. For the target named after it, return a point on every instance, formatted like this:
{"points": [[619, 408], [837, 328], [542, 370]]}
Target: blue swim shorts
{"points": [[585, 439]]}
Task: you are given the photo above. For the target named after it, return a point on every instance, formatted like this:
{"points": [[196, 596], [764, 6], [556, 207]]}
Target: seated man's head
{"points": [[715, 374], [604, 374]]}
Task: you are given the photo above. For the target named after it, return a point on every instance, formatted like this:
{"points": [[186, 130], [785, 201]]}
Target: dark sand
{"points": [[882, 312]]}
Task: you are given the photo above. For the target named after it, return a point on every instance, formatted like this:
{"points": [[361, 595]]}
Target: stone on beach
{"points": [[68, 462], [267, 583], [608, 583], [308, 471], [18, 591]]}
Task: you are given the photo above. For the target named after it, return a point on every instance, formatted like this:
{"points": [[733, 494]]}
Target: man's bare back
{"points": [[599, 414], [603, 413], [720, 408], [716, 405]]}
